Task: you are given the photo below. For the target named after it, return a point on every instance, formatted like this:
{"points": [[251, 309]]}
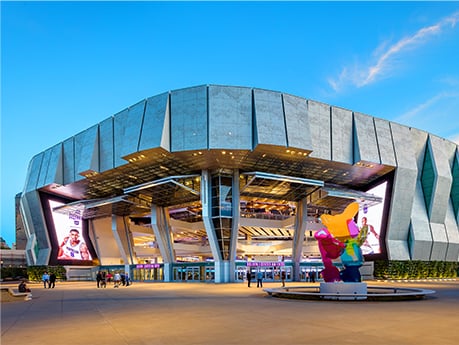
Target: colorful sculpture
{"points": [[341, 239]]}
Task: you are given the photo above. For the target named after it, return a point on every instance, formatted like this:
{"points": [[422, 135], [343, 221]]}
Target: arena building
{"points": [[203, 183]]}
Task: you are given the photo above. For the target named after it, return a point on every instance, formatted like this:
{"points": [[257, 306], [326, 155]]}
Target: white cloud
{"points": [[421, 108], [438, 115], [386, 57]]}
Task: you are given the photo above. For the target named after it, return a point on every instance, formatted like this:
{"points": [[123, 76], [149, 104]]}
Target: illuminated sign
{"points": [[148, 266], [265, 264]]}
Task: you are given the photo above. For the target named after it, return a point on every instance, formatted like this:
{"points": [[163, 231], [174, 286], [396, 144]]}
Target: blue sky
{"points": [[66, 66]]}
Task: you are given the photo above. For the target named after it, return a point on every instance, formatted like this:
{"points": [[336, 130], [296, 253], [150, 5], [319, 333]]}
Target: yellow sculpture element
{"points": [[337, 224]]}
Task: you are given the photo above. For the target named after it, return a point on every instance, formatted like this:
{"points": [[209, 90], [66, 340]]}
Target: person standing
{"points": [[103, 280], [45, 279], [248, 276], [312, 276], [259, 279], [98, 278], [52, 280], [283, 278], [117, 279]]}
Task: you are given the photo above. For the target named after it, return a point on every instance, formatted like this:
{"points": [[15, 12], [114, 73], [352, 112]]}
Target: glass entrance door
{"points": [[187, 273]]}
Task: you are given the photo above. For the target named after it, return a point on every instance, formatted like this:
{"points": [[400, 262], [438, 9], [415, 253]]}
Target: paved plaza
{"points": [[196, 313]]}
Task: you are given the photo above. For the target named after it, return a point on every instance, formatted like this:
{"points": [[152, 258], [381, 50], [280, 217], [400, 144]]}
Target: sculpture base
{"points": [[344, 291]]}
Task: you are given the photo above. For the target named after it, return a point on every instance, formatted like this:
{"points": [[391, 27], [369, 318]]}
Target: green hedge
{"points": [[14, 272], [415, 269], [35, 272]]}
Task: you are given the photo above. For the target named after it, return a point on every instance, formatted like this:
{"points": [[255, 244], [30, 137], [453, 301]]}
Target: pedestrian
{"points": [[103, 280], [52, 280], [117, 279], [248, 276], [109, 277], [127, 279], [45, 278], [98, 278], [283, 278], [312, 276], [259, 279]]}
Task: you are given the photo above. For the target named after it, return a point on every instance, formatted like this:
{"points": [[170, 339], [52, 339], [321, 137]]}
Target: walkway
{"points": [[194, 313]]}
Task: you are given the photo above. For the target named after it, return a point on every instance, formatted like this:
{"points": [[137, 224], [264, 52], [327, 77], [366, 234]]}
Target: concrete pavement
{"points": [[196, 313]]}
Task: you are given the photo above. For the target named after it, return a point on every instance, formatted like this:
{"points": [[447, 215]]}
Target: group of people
{"points": [[311, 276], [49, 280], [102, 278], [259, 276]]}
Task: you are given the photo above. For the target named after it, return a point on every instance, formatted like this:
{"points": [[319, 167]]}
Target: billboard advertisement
{"points": [[68, 234], [374, 218]]}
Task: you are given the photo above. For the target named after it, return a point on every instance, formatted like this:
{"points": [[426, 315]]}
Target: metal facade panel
{"points": [[44, 168], [440, 242], [55, 167], [420, 144], [33, 172], [403, 190], [342, 135], [452, 231], [269, 118], [403, 146], [297, 122], [106, 145], [421, 238], [156, 123], [397, 249], [385, 144], [366, 145], [34, 221], [455, 185], [230, 117], [401, 203], [421, 248], [189, 123], [127, 127], [87, 151], [443, 180], [69, 161], [320, 126]]}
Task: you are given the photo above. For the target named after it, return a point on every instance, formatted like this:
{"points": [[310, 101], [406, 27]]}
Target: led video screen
{"points": [[373, 217], [68, 234]]}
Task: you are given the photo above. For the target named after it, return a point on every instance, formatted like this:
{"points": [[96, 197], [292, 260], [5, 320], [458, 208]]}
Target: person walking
{"points": [[52, 280], [259, 279], [248, 276], [45, 279]]}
